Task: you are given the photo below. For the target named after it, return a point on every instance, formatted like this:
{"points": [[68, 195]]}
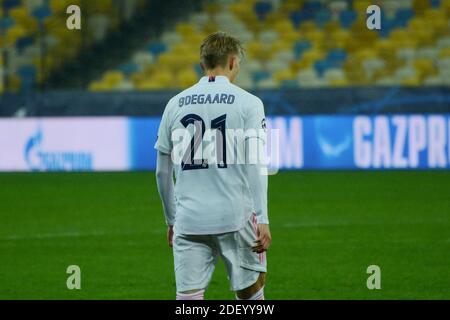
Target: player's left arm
{"points": [[164, 181], [258, 183], [257, 172]]}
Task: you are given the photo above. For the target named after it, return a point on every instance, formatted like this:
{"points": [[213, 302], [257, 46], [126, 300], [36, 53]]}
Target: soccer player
{"points": [[215, 208]]}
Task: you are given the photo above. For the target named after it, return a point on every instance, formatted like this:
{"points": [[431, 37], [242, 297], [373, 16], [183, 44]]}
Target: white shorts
{"points": [[195, 258]]}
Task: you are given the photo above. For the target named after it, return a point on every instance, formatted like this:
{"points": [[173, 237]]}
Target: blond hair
{"points": [[217, 47]]}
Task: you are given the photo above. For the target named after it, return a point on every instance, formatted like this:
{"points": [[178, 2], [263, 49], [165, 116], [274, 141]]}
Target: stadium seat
{"points": [[295, 42], [262, 9]]}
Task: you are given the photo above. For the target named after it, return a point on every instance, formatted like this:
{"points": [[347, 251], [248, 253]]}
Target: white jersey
{"points": [[211, 198]]}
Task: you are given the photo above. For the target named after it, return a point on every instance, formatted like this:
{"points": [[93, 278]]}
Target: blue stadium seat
{"points": [[6, 23], [386, 26], [300, 16], [129, 68], [24, 42], [9, 4], [323, 65], [435, 3], [198, 69], [28, 77], [260, 75], [156, 48], [312, 6], [42, 12], [337, 55], [347, 17], [322, 17], [300, 47], [287, 84], [402, 16], [262, 8]]}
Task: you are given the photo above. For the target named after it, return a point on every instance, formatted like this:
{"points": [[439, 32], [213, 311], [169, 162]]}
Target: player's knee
{"points": [[255, 291], [196, 294]]}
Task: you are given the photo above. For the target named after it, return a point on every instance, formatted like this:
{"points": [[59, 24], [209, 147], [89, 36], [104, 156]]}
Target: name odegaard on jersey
{"points": [[206, 99]]}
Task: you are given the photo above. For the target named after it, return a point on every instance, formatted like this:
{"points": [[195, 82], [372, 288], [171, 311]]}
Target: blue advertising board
{"points": [[335, 142], [322, 142]]}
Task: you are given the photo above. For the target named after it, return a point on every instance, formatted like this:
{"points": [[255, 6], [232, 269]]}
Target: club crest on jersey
{"points": [[263, 124]]}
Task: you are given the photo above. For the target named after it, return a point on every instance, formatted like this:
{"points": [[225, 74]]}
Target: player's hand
{"points": [[170, 236], [263, 240]]}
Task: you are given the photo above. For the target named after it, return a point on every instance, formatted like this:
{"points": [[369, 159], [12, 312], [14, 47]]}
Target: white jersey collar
{"points": [[214, 79]]}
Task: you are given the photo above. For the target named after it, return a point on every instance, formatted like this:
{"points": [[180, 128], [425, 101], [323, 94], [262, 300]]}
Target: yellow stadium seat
{"points": [[283, 26], [169, 60], [137, 78], [290, 36], [112, 78], [13, 34], [150, 84], [19, 14], [360, 6], [186, 78], [210, 27], [165, 78], [385, 47], [311, 56], [104, 6], [423, 37], [284, 75], [314, 36], [365, 54], [331, 26], [445, 5], [340, 34], [353, 45], [59, 7], [97, 86], [273, 18], [424, 67], [399, 34], [212, 8], [255, 49], [240, 9], [185, 29], [339, 82], [356, 76], [420, 6], [444, 53], [288, 6], [195, 39], [411, 81], [252, 22], [279, 46], [307, 26], [435, 14], [440, 27], [182, 48]]}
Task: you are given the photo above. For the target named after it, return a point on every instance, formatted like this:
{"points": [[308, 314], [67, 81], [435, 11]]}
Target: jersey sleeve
{"points": [[255, 134], [255, 123], [164, 141]]}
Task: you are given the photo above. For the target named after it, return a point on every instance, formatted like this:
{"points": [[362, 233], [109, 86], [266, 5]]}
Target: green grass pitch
{"points": [[327, 228]]}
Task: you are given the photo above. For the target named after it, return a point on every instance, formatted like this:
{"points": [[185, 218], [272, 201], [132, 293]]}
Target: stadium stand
{"points": [[289, 43], [23, 24], [296, 43]]}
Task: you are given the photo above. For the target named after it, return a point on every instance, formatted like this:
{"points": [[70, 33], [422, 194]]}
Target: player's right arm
{"points": [[164, 181], [164, 171]]}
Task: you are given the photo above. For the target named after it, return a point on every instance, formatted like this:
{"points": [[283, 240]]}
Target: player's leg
{"points": [[197, 294], [255, 291], [246, 269], [194, 261]]}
